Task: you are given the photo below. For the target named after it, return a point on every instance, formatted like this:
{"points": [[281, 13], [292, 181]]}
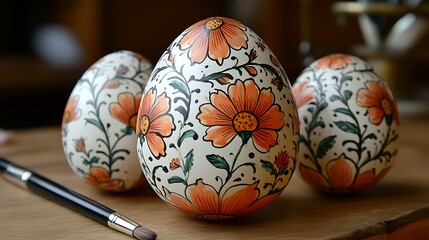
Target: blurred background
{"points": [[46, 45]]}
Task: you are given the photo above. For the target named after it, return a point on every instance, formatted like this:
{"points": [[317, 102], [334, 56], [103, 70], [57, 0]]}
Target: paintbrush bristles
{"points": [[142, 233]]}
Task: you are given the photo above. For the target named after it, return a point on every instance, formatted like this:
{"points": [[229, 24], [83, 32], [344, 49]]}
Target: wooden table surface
{"points": [[401, 198]]}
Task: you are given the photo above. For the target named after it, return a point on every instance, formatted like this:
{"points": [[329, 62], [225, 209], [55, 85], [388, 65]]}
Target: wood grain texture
{"points": [[394, 206]]}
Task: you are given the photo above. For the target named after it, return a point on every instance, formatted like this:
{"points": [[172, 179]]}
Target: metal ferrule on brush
{"points": [[17, 175], [122, 223]]}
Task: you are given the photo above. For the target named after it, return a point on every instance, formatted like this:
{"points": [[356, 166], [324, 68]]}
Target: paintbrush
{"points": [[72, 200]]}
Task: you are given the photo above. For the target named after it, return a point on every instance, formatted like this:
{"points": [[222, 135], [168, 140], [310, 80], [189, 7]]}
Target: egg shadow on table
{"points": [[383, 190], [391, 190], [290, 209], [144, 192], [285, 208]]}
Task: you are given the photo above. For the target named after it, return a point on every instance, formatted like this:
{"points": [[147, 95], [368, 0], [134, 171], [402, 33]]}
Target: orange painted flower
{"points": [[154, 122], [335, 61], [126, 109], [71, 113], [99, 177], [213, 37], [246, 111], [204, 202], [112, 84], [379, 101], [80, 145], [282, 160], [302, 93], [175, 164], [342, 175]]}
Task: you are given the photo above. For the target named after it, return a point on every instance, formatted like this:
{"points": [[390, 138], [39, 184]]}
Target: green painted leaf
{"points": [[269, 167], [90, 102], [183, 111], [347, 127], [187, 134], [95, 122], [94, 160], [322, 107], [216, 76], [270, 69], [218, 161], [344, 111], [345, 78], [348, 94], [334, 98], [324, 145], [180, 86], [176, 179], [189, 161]]}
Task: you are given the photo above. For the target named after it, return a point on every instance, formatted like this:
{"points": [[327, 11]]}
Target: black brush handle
{"points": [[48, 189], [68, 198], [56, 192], [3, 165]]}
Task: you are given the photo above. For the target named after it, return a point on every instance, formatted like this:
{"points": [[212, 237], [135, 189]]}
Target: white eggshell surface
{"points": [[98, 130], [217, 125], [349, 124]]}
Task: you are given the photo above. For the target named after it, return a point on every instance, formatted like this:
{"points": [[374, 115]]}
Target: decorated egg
{"points": [[217, 126], [349, 124], [99, 121]]}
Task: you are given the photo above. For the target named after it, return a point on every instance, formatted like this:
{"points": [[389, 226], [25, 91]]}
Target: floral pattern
{"points": [[282, 161], [154, 122], [80, 145], [379, 101], [126, 109], [245, 111], [345, 144], [71, 113], [213, 37], [99, 122], [302, 93], [342, 175], [335, 61], [226, 134], [202, 201], [100, 177]]}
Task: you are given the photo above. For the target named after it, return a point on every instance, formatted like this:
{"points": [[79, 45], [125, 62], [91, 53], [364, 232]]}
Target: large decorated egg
{"points": [[349, 124], [217, 126], [98, 130]]}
